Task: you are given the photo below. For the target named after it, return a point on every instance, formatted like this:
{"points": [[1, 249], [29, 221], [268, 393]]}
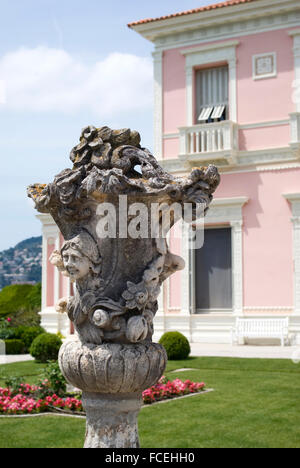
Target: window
{"points": [[213, 265], [212, 94]]}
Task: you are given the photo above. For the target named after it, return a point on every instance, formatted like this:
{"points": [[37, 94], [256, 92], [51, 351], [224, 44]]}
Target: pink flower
{"points": [[8, 319]]}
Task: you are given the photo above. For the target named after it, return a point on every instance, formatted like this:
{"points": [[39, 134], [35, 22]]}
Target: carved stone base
{"points": [[112, 377], [111, 420]]}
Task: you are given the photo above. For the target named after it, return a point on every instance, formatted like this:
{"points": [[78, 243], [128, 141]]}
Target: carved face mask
{"points": [[77, 265]]}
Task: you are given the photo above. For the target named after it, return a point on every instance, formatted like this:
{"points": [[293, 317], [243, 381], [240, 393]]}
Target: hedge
{"points": [[176, 345], [14, 346]]}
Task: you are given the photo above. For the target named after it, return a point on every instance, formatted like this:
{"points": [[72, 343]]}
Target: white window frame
{"points": [[211, 55], [224, 310], [265, 76], [213, 106], [158, 103], [295, 34], [222, 212], [294, 199]]}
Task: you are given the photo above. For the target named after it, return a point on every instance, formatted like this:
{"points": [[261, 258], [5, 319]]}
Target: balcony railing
{"points": [[209, 141]]}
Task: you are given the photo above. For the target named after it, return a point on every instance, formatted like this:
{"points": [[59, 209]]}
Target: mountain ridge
{"points": [[22, 264]]}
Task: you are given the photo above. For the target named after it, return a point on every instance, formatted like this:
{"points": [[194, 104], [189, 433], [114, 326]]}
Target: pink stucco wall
{"points": [[174, 95], [267, 99], [171, 148], [267, 237], [267, 234], [252, 139], [257, 100]]}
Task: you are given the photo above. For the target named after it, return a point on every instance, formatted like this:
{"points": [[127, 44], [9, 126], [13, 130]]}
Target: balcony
{"points": [[209, 142]]}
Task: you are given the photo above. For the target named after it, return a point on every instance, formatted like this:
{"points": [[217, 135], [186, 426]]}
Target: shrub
{"points": [[18, 296], [45, 347], [28, 334], [52, 381], [13, 384], [176, 345], [14, 347], [6, 331], [21, 302]]}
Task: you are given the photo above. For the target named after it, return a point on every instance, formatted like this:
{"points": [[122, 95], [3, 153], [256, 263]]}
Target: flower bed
{"points": [[27, 402], [26, 399], [165, 389]]}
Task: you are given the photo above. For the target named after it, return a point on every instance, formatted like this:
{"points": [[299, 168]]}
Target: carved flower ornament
{"points": [[136, 295]]}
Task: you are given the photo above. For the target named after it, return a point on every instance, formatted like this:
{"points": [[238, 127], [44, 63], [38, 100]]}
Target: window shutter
{"points": [[212, 88]]}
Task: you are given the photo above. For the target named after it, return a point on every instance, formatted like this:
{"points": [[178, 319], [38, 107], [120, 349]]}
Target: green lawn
{"points": [[30, 371], [255, 404]]}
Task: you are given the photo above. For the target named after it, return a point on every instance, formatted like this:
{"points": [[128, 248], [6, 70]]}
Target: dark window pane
{"points": [[214, 271]]}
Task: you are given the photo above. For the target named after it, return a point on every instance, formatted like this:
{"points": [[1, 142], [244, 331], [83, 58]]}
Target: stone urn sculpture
{"points": [[117, 255]]}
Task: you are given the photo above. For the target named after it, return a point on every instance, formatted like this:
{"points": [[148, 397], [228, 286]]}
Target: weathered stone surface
{"points": [[112, 367], [118, 277], [112, 420]]}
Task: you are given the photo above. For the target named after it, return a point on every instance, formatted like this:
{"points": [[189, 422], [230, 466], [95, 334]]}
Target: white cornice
{"points": [[261, 9], [248, 161], [292, 197], [45, 218], [294, 32], [233, 201], [209, 47]]}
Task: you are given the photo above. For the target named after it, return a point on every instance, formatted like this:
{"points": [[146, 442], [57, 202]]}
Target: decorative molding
{"points": [[221, 52], [294, 199], [294, 32], [296, 49], [272, 155], [213, 311], [160, 301], [50, 232], [194, 31], [187, 285], [282, 309], [158, 103], [295, 127], [167, 136], [45, 219], [271, 123], [226, 211], [54, 322], [264, 65], [210, 47], [206, 142], [267, 163]]}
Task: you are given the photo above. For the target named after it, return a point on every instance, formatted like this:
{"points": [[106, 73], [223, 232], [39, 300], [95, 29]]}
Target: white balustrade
{"points": [[208, 138]]}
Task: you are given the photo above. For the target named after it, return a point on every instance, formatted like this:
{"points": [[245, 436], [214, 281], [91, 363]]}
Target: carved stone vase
{"points": [[110, 208]]}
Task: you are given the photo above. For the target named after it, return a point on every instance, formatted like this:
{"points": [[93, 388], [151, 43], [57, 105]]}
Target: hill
{"points": [[22, 263]]}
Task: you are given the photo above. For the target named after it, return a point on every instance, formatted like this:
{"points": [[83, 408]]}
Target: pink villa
{"points": [[227, 92]]}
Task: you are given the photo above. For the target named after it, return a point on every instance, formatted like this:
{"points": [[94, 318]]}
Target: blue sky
{"points": [[65, 64]]}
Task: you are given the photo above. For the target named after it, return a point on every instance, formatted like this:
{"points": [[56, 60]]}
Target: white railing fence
{"points": [[208, 138]]}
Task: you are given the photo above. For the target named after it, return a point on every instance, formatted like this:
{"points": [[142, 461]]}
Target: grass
{"points": [[255, 405], [29, 371]]}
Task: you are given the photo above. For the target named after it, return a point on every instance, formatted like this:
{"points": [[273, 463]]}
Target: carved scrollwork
{"points": [[115, 299]]}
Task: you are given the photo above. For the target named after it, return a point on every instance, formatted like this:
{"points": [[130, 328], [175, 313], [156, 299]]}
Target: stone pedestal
{"points": [[111, 420], [112, 377]]}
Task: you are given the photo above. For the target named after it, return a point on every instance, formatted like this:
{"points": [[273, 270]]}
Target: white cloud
{"points": [[44, 79]]}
